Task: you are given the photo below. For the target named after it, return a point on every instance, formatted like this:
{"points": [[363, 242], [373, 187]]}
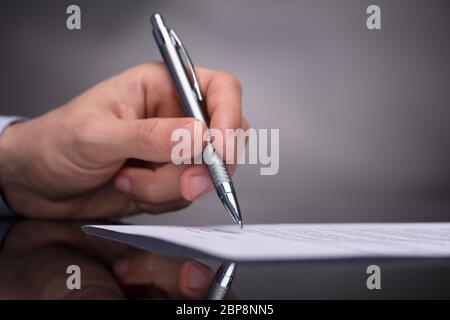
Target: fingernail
{"points": [[123, 184], [197, 279], [121, 267], [198, 185]]}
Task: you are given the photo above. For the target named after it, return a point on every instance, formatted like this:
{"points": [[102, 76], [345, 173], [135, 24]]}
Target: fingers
{"points": [[147, 91], [194, 279], [222, 92], [163, 207], [151, 186], [175, 276], [168, 184], [151, 139], [169, 187], [153, 191], [195, 181], [223, 100]]}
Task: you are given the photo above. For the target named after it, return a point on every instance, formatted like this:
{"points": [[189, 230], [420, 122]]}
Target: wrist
{"points": [[8, 158]]}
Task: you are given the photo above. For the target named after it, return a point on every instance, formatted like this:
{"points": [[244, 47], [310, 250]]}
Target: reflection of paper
{"points": [[291, 241]]}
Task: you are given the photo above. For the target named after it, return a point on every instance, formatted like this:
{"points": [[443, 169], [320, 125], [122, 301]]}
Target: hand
{"points": [[107, 152], [35, 255], [163, 277]]}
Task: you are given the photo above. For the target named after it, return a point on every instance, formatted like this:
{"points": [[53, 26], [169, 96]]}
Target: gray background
{"points": [[363, 115]]}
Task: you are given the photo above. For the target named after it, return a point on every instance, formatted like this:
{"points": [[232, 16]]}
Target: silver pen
{"points": [[221, 282], [177, 60]]}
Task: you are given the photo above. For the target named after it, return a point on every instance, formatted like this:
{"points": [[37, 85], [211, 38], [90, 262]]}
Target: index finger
{"points": [[222, 92]]}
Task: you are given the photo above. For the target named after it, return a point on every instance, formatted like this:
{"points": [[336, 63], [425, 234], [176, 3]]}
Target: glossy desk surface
{"points": [[34, 256]]}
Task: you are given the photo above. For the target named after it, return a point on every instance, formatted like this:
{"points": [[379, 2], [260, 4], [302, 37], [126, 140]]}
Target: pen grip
{"points": [[216, 168]]}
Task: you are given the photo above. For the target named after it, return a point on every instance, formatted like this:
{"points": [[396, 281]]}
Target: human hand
{"points": [[144, 273], [35, 255], [107, 152]]}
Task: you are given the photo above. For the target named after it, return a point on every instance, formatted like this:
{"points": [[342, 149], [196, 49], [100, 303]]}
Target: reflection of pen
{"points": [[177, 60], [221, 282]]}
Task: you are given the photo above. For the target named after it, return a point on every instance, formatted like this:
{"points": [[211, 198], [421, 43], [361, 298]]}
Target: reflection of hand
{"points": [[35, 256], [165, 277], [71, 162]]}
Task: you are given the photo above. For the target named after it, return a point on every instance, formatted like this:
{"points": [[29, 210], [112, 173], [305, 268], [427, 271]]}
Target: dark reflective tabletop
{"points": [[36, 259]]}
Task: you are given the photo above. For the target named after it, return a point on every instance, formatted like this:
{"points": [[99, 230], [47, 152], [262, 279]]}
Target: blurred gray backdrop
{"points": [[364, 116]]}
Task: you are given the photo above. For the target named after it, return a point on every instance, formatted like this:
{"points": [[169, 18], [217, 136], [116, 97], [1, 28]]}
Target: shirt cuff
{"points": [[4, 123], [4, 226]]}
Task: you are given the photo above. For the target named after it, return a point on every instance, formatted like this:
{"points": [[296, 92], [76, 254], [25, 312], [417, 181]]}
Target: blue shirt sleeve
{"points": [[4, 122], [4, 226]]}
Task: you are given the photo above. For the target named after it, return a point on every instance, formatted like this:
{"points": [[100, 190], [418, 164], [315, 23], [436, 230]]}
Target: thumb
{"points": [[153, 139]]}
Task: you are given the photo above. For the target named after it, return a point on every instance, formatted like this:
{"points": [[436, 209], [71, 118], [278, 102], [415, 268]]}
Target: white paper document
{"points": [[288, 241]]}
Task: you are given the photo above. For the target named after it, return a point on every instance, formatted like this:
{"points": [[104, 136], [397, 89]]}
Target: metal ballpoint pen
{"points": [[177, 60], [221, 282]]}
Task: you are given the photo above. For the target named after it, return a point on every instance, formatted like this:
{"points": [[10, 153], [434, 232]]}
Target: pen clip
{"points": [[186, 60]]}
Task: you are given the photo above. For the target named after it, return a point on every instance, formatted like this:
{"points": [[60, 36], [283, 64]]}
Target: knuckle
{"points": [[147, 71], [232, 81], [143, 68], [147, 133], [87, 131]]}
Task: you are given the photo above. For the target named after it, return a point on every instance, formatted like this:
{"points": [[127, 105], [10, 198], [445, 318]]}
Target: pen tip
{"points": [[231, 204]]}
